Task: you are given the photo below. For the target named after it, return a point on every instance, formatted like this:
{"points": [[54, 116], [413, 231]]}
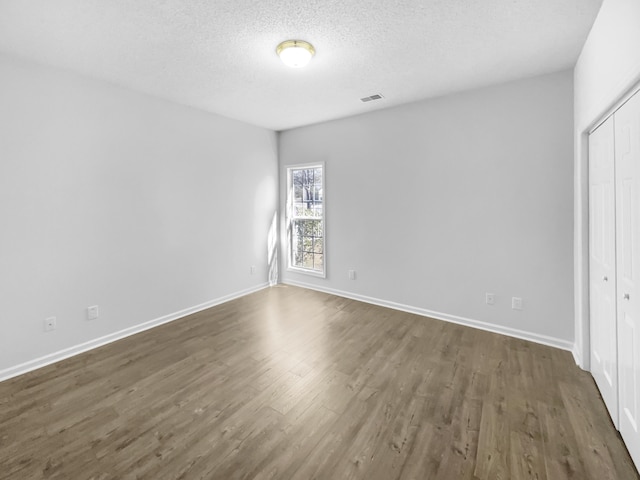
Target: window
{"points": [[305, 207]]}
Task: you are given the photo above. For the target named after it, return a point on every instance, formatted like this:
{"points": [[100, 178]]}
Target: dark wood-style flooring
{"points": [[289, 383]]}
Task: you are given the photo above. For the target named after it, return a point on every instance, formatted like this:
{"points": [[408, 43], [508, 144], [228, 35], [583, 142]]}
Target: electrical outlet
{"points": [[92, 312], [50, 324], [516, 303], [252, 269], [490, 299], [352, 274]]}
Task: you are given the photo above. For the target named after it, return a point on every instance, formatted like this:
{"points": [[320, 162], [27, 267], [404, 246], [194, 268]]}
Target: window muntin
{"points": [[306, 218]]}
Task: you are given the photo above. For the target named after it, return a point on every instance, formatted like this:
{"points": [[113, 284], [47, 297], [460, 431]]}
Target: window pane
{"points": [[316, 228], [307, 244], [308, 260], [317, 193], [297, 229], [318, 245], [299, 257]]}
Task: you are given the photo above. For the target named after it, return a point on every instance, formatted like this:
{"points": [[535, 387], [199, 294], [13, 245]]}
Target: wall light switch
{"points": [[352, 274], [490, 299]]}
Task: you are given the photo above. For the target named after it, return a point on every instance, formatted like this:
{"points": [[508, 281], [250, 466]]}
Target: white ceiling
{"points": [[219, 55]]}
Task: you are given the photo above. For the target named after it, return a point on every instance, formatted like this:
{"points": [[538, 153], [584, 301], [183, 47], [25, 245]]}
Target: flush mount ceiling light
{"points": [[295, 53]]}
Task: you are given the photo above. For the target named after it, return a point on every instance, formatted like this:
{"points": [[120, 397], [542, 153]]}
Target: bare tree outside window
{"points": [[306, 204]]}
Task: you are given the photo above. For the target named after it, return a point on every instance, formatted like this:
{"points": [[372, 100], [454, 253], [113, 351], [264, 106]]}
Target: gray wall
{"points": [[114, 198], [438, 202]]}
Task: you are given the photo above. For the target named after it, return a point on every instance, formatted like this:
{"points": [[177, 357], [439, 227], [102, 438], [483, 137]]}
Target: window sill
{"points": [[304, 271]]}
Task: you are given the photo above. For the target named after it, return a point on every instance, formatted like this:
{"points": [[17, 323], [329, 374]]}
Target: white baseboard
{"points": [[576, 356], [112, 337], [490, 327]]}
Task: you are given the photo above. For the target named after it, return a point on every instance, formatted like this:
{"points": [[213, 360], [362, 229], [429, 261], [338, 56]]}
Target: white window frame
{"points": [[290, 219]]}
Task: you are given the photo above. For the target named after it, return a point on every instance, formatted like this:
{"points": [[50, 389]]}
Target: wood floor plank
{"points": [[596, 442], [426, 453], [493, 452], [287, 456], [561, 451], [289, 383]]}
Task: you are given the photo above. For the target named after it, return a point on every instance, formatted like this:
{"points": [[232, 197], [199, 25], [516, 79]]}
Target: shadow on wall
{"points": [[272, 250]]}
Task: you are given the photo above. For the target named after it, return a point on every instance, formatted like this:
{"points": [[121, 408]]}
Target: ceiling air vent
{"points": [[377, 96]]}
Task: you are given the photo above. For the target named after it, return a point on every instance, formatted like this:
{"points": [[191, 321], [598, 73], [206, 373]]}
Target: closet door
{"points": [[627, 153], [602, 265]]}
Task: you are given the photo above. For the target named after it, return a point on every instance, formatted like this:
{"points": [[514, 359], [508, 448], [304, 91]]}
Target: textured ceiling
{"points": [[219, 55]]}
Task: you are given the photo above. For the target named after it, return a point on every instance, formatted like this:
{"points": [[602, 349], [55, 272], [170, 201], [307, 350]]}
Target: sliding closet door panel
{"points": [[602, 265], [627, 153]]}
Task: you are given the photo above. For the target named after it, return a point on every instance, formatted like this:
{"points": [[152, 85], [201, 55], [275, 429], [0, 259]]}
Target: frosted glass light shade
{"points": [[295, 53]]}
